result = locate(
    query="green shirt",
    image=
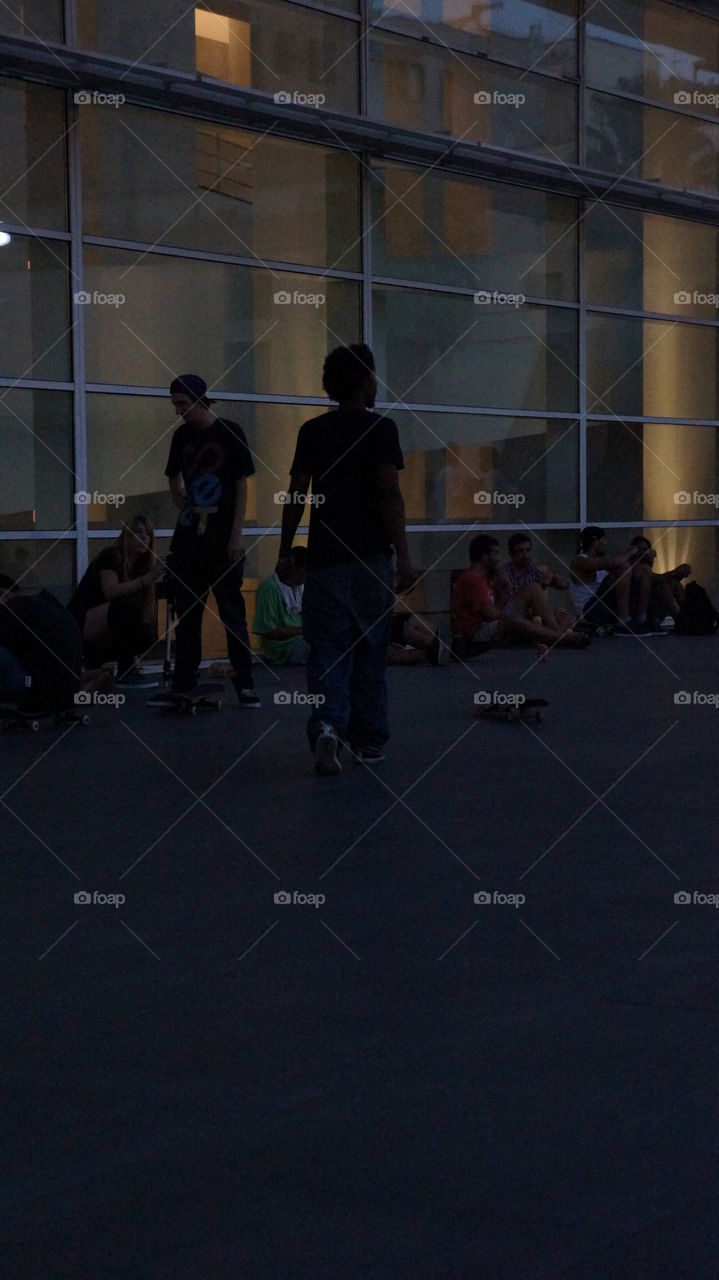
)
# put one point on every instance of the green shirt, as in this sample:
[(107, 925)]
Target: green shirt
[(271, 611)]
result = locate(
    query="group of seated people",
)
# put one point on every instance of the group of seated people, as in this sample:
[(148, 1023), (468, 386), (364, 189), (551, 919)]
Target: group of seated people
[(509, 604)]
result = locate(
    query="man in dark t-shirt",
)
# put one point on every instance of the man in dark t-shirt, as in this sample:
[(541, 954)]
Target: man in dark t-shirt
[(351, 458), (207, 468)]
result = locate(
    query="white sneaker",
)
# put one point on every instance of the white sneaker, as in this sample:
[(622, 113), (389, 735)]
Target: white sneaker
[(326, 752)]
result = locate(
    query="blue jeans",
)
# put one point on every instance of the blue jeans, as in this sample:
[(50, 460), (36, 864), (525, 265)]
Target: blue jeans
[(346, 614), (12, 676)]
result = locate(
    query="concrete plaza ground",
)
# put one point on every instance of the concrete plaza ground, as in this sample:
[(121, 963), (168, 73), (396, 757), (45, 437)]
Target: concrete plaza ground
[(396, 1082)]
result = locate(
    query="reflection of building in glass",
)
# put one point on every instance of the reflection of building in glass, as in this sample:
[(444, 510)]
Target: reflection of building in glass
[(542, 302)]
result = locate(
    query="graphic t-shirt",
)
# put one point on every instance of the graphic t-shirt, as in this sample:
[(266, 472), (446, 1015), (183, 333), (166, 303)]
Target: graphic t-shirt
[(471, 596), (211, 459), (272, 610), (88, 592), (341, 451)]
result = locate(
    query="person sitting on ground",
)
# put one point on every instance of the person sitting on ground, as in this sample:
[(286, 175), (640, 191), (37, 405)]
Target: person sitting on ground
[(667, 591), (40, 650), (413, 639), (484, 612), (601, 585), (114, 604), (520, 571), (278, 612)]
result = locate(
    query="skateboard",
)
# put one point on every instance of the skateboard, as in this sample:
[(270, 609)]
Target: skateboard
[(203, 695), (531, 709), (12, 716)]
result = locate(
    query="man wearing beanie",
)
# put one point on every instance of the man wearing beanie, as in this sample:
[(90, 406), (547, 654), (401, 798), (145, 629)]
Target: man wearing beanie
[(207, 468)]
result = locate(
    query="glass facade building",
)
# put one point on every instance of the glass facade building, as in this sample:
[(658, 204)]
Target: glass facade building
[(516, 204)]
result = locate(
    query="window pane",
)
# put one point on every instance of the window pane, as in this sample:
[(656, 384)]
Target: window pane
[(650, 48), (465, 467), (36, 431), (635, 141), (265, 331), (219, 189), (525, 33), (42, 19), (652, 472), (421, 86), (643, 262), (434, 348), (37, 565), (261, 44), (34, 323), (651, 369), (430, 226), (32, 119)]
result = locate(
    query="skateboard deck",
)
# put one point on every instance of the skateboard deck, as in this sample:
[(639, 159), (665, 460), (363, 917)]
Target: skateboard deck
[(531, 709), (203, 695), (13, 716)]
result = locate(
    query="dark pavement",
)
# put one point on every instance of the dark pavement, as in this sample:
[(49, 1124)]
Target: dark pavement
[(396, 1082)]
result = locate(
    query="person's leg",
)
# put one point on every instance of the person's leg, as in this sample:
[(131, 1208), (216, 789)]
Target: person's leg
[(640, 592), (129, 635), (331, 633), (372, 606), (227, 589), (418, 633), (189, 587), (533, 601), (397, 656), (13, 676)]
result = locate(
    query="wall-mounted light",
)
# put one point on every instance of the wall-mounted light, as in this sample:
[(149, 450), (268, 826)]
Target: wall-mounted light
[(5, 238)]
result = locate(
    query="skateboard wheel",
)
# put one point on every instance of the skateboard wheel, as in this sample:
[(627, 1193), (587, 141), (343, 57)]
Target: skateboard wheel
[(193, 710), (218, 706), (85, 719), (34, 725)]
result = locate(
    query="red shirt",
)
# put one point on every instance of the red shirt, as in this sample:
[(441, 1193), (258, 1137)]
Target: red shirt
[(471, 596)]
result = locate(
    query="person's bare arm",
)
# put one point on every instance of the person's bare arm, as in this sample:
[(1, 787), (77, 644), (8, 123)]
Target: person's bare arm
[(113, 589), (391, 506), (178, 492), (293, 511)]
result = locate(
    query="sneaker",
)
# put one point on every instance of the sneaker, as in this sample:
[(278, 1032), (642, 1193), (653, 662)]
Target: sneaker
[(248, 698), (623, 629), (368, 755), (438, 652), (647, 628), (134, 681), (327, 752)]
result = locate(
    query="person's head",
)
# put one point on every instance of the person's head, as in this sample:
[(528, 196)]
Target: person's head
[(348, 376), (137, 541), (8, 587), (484, 551), (293, 573), (593, 539), (519, 547), (645, 548), (188, 394)]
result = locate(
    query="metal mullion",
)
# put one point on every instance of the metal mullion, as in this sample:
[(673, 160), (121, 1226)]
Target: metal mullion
[(228, 259), (582, 357), (462, 292), (76, 282)]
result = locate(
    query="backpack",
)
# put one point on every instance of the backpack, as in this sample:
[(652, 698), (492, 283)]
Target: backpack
[(45, 638), (697, 616)]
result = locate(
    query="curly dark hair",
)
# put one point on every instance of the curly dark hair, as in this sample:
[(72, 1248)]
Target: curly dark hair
[(345, 370)]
